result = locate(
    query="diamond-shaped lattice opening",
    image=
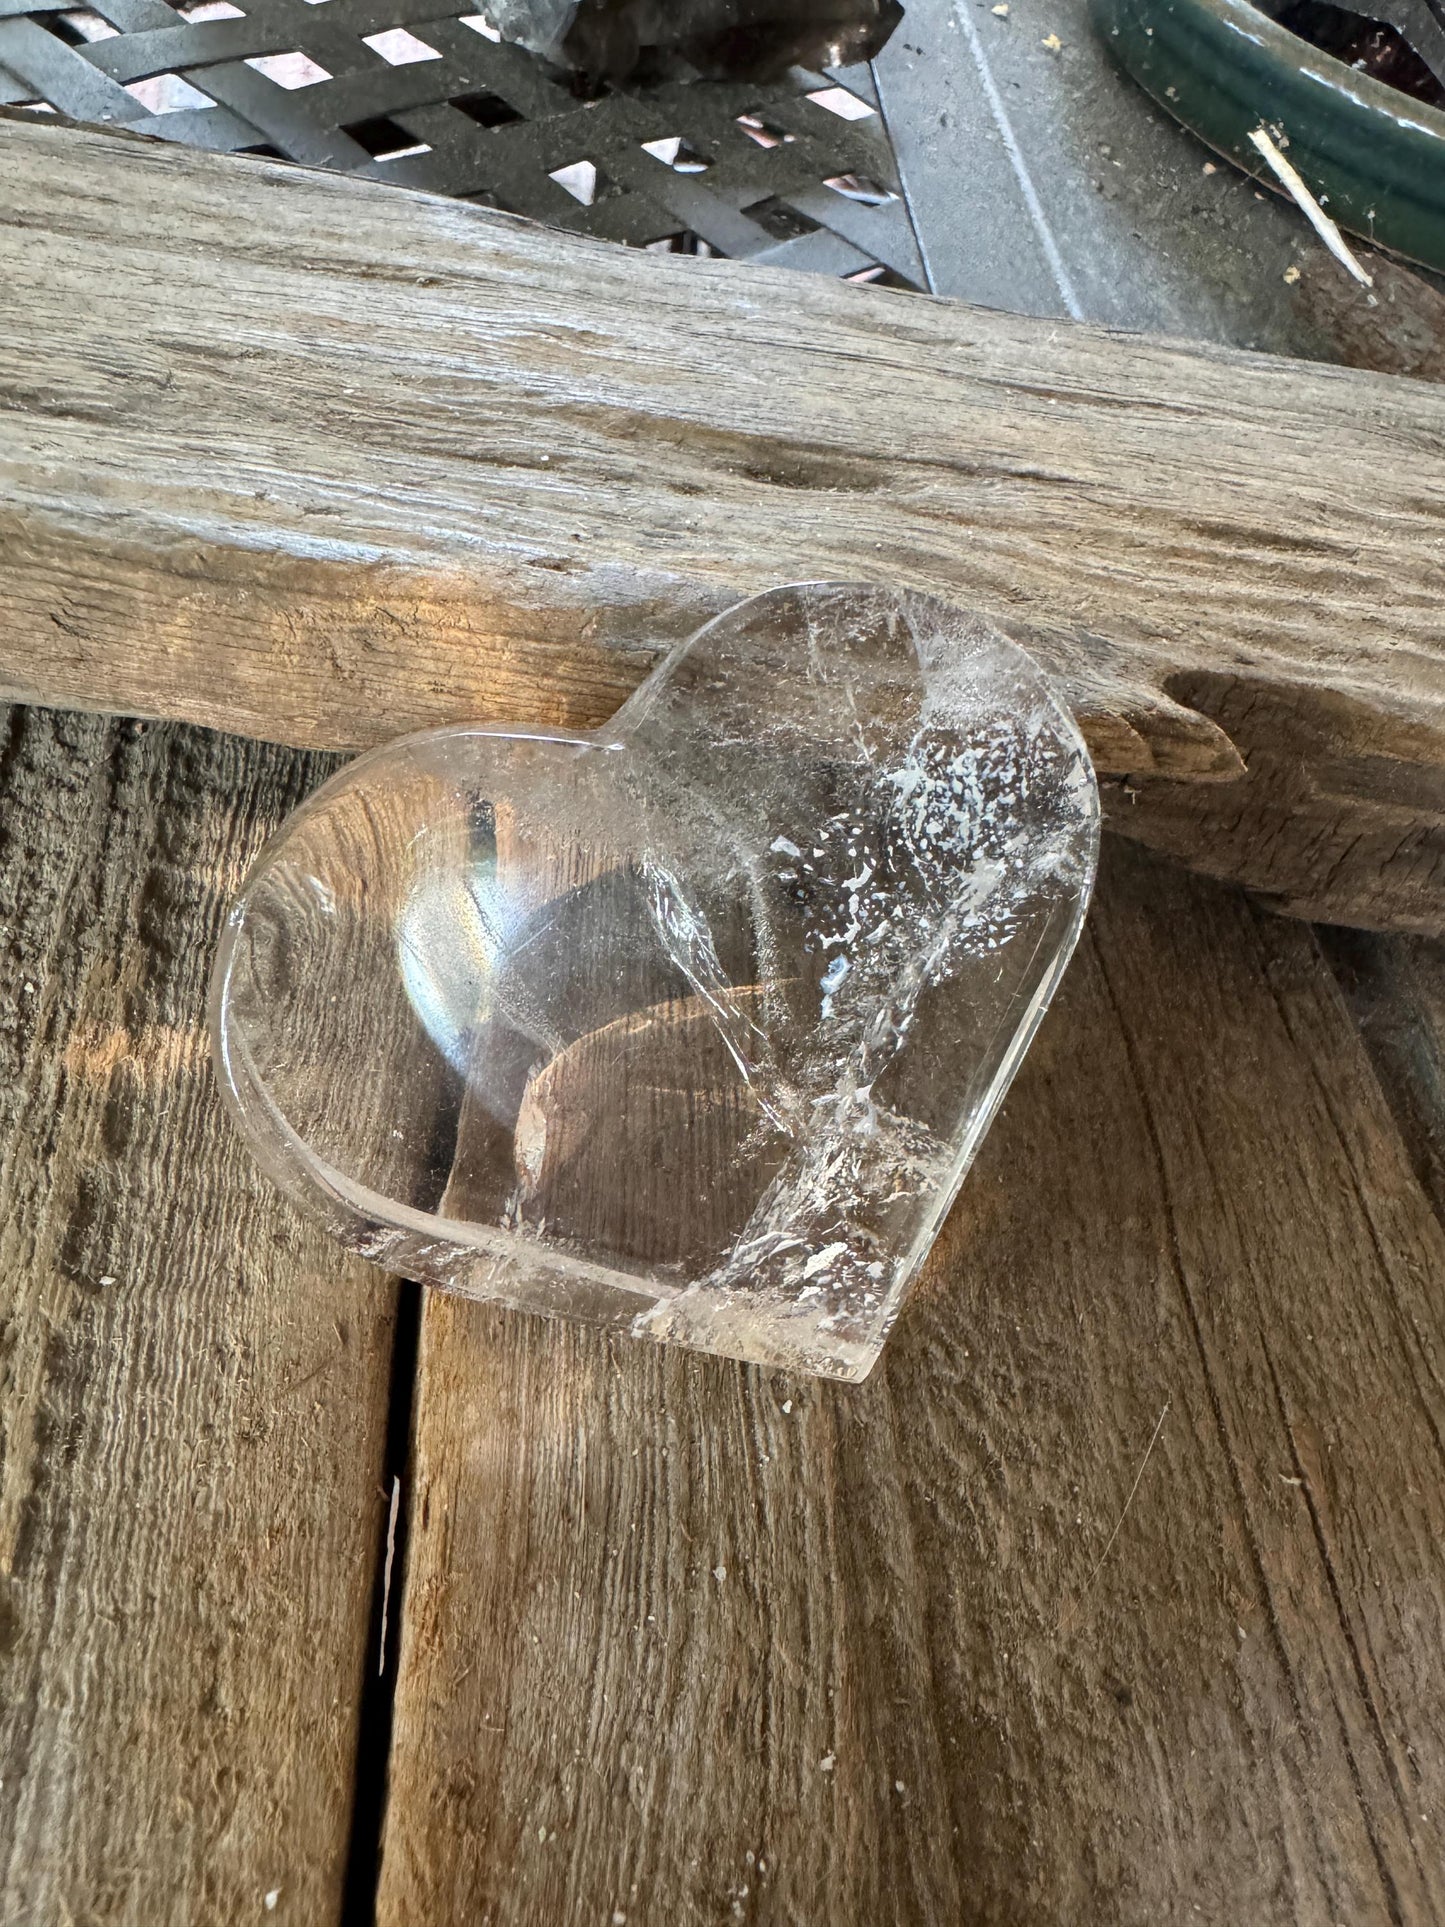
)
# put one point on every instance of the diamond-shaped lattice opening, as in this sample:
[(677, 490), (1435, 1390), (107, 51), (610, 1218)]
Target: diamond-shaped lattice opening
[(580, 179), (763, 131), (677, 154), (168, 94), (398, 48), (480, 24), (291, 71), (487, 110), (877, 276), (784, 223), (78, 26), (32, 107), (683, 242), (385, 139), (858, 187), (262, 151), (205, 10), (839, 101)]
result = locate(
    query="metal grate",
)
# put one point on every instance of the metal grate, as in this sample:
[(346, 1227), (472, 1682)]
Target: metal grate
[(800, 173)]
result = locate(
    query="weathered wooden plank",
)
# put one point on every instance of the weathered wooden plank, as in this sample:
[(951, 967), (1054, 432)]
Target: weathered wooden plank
[(193, 1385), (319, 460), (686, 1642), (1396, 988)]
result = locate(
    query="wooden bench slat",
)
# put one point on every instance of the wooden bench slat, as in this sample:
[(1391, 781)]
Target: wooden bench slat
[(684, 1638), (193, 1384)]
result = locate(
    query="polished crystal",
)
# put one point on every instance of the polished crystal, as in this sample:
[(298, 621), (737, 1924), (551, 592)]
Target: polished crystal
[(691, 1025)]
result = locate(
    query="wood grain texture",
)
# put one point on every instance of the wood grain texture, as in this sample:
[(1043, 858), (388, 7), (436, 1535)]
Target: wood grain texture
[(1396, 326), (687, 1642), (314, 459), (1396, 988), (193, 1386)]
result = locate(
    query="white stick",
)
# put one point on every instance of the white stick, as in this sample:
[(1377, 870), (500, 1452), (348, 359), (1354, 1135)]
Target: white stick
[(386, 1570), (1309, 206)]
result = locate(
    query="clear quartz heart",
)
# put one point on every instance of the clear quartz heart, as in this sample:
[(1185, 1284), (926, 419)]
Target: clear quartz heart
[(691, 1025)]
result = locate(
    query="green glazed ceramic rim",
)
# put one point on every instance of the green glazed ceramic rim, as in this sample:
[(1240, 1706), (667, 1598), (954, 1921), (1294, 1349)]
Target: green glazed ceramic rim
[(1373, 156)]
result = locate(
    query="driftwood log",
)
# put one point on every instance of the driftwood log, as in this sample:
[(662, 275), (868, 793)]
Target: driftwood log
[(318, 460)]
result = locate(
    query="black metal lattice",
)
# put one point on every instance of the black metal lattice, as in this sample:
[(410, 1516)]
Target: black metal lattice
[(800, 173)]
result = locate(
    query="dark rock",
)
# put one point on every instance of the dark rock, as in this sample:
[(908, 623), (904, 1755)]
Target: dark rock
[(652, 40)]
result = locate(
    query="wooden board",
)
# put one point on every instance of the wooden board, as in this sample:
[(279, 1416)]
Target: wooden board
[(417, 461), (1396, 988), (193, 1384), (1117, 1594)]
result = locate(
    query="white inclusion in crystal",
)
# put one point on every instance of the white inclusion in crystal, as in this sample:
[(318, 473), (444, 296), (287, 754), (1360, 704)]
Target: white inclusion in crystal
[(964, 891), (832, 978)]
